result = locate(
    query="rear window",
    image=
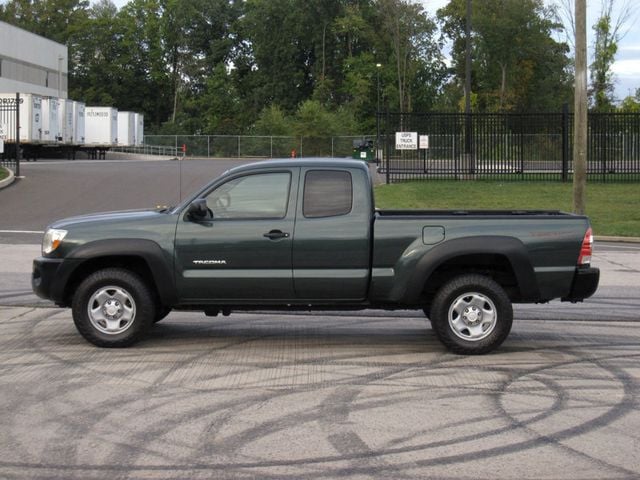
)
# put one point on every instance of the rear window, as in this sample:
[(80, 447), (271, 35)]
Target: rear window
[(327, 193)]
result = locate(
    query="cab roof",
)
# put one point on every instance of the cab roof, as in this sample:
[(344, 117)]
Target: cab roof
[(302, 162)]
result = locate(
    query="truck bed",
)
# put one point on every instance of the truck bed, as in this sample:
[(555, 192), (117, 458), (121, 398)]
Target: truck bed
[(474, 213)]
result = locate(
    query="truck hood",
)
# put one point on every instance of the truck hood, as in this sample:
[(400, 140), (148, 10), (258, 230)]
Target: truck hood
[(123, 216)]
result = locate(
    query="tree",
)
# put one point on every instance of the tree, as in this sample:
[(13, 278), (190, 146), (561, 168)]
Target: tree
[(272, 121), (609, 30), (630, 104), (608, 33), (517, 64), (411, 35)]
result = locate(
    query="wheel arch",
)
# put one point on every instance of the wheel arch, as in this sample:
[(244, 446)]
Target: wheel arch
[(143, 257), (505, 259)]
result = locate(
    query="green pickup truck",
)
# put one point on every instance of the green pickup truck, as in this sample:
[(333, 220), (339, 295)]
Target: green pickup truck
[(305, 234)]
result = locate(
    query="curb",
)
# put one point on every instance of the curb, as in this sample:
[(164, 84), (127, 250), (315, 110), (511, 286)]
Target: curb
[(9, 180), (604, 238)]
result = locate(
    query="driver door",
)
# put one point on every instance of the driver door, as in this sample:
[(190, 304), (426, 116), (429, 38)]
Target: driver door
[(244, 250)]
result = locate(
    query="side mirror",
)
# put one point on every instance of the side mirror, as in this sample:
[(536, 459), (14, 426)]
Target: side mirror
[(198, 210)]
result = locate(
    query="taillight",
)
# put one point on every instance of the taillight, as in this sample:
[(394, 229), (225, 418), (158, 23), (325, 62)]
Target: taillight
[(587, 249)]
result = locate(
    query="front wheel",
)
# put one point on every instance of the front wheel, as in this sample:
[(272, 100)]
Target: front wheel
[(471, 314), (113, 308)]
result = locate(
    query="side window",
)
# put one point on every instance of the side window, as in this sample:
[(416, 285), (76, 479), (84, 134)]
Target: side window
[(327, 193), (254, 196)]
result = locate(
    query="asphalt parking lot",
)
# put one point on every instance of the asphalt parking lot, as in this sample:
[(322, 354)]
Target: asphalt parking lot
[(277, 395)]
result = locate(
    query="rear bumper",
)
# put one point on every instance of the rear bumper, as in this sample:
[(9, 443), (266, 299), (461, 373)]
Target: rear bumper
[(585, 284), (44, 276)]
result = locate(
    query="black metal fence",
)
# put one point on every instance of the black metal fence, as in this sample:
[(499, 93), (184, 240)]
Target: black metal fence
[(525, 146), (9, 137)]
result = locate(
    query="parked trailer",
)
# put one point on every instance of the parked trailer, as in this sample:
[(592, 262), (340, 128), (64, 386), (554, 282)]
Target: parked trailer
[(65, 120), (31, 138), (139, 127), (126, 129), (51, 131), (78, 122), (30, 117), (100, 130)]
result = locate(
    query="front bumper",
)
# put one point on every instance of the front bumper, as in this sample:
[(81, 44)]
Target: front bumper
[(43, 278), (585, 284)]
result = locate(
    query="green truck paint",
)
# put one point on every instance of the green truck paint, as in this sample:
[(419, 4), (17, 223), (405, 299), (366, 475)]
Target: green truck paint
[(305, 234)]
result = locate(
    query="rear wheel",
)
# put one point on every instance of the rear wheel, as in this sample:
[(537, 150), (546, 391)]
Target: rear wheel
[(113, 308), (471, 314)]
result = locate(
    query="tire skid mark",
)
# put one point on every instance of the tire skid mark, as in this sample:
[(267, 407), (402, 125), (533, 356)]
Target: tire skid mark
[(615, 412), (384, 374)]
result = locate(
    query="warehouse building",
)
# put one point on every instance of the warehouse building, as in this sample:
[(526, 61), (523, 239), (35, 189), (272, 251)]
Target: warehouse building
[(30, 63)]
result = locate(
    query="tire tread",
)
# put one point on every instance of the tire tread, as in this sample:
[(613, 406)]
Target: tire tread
[(145, 307), (440, 311)]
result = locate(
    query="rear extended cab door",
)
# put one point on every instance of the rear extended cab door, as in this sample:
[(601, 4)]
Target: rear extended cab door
[(333, 234)]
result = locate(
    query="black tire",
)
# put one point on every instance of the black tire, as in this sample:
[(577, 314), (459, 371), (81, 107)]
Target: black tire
[(122, 304), (471, 314), (161, 313)]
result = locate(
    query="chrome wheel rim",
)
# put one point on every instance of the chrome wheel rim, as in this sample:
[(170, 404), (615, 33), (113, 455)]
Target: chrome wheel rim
[(472, 316), (111, 310)]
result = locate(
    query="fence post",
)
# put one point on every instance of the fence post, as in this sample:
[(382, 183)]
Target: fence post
[(17, 135), (271, 146), (387, 151), (565, 142), (208, 146), (468, 145), (300, 148)]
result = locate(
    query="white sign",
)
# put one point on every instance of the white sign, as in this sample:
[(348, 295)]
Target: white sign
[(1, 146), (3, 131), (424, 142), (406, 140)]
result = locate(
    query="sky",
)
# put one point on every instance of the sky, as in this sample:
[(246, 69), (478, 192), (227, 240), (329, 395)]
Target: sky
[(627, 66)]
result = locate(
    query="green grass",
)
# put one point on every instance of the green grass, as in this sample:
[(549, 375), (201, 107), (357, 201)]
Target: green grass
[(614, 208), (3, 173)]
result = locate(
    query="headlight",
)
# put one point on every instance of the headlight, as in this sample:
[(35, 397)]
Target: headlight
[(52, 240)]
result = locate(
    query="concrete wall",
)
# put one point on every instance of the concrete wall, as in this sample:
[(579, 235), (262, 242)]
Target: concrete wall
[(30, 63)]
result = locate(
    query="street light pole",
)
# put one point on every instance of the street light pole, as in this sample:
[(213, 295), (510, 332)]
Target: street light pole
[(60, 58), (378, 66)]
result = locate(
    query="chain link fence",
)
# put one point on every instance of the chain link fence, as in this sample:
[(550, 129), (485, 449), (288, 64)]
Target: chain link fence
[(254, 146)]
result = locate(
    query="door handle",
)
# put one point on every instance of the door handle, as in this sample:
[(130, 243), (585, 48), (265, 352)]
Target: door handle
[(275, 235)]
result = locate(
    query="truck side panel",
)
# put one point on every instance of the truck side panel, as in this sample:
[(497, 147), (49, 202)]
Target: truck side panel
[(542, 251)]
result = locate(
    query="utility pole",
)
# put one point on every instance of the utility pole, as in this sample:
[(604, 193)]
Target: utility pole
[(580, 110), (467, 61), (467, 94), (378, 66)]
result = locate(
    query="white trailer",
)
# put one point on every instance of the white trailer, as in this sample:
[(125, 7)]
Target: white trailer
[(30, 117), (139, 124), (126, 129), (78, 122), (51, 131), (101, 126), (65, 120)]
